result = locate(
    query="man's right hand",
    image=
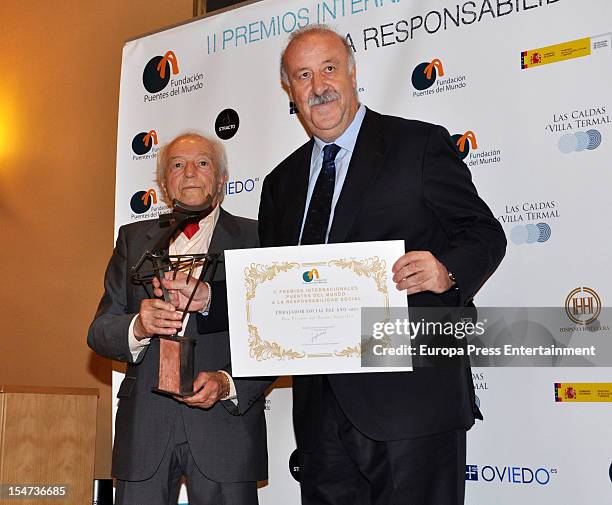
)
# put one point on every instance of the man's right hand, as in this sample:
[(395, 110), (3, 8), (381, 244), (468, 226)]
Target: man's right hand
[(156, 317)]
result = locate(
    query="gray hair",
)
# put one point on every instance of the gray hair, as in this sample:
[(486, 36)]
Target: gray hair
[(219, 162), (307, 30)]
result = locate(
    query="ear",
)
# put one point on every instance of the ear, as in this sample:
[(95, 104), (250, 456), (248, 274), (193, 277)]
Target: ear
[(354, 77)]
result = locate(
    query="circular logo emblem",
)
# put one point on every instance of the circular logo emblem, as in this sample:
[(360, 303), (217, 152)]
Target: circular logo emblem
[(610, 472), (530, 233), (143, 142), (156, 73), (151, 79), (464, 142), (141, 201), (294, 465), (227, 123), (579, 141), (423, 76), (583, 306)]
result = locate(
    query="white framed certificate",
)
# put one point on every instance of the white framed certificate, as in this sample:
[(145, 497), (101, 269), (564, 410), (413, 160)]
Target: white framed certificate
[(298, 310)]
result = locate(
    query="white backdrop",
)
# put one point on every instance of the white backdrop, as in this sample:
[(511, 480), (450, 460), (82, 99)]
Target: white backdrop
[(539, 153)]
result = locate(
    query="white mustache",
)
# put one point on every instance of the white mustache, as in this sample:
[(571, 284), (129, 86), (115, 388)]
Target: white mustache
[(325, 97)]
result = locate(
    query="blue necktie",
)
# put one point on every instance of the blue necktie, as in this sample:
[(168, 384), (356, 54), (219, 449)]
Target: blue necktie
[(317, 218)]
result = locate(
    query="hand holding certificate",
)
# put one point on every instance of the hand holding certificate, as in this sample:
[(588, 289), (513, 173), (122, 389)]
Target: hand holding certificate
[(298, 310)]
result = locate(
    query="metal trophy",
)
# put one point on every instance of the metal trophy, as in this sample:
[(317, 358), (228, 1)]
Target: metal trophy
[(176, 358)]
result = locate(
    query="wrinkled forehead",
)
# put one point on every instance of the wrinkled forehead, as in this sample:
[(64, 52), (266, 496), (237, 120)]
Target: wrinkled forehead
[(321, 46), (190, 146)]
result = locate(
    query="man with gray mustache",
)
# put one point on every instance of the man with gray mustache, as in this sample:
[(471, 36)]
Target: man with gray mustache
[(379, 438)]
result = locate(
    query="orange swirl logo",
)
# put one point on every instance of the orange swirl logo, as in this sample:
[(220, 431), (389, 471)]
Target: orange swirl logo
[(157, 71), (142, 200), (425, 74), (143, 142), (309, 275), (465, 142)]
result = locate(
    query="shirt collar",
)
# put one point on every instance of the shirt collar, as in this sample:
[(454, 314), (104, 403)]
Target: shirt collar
[(347, 140)]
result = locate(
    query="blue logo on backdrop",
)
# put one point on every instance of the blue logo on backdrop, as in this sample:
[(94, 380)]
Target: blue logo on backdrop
[(510, 474), (530, 233), (471, 472), (580, 141), (240, 186)]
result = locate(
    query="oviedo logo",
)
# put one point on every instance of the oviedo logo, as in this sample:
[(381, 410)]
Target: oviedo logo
[(310, 275), (227, 123), (156, 74), (239, 186), (465, 142), (425, 74), (583, 306), (142, 200), (530, 233), (580, 141), (143, 142), (510, 474)]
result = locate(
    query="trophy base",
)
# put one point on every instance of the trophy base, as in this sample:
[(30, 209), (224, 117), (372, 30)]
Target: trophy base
[(176, 366), (171, 394)]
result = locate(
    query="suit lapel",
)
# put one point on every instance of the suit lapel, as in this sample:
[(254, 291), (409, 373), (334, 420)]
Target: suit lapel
[(224, 234), (366, 163), (294, 212)]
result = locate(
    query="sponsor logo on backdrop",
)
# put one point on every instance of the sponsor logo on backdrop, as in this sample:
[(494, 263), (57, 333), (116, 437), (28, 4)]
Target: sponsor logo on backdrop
[(582, 129), (156, 74), (583, 305), (530, 233), (144, 205), (239, 186), (583, 392), (430, 77), (610, 472), (583, 308), (564, 51), (465, 142), (579, 119), (468, 149), (162, 71), (293, 108), (580, 141), (556, 53), (532, 221), (226, 124), (294, 465), (512, 475), (143, 145)]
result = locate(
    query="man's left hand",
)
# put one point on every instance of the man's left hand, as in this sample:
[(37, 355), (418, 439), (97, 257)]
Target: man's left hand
[(210, 387), (418, 271), (180, 290)]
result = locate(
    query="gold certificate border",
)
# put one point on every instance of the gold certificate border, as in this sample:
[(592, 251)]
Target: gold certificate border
[(256, 274)]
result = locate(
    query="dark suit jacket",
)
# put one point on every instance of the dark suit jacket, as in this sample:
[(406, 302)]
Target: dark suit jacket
[(228, 443), (405, 181)]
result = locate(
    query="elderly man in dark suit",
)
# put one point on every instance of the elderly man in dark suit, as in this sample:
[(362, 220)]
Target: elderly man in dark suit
[(379, 438), (216, 439)]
